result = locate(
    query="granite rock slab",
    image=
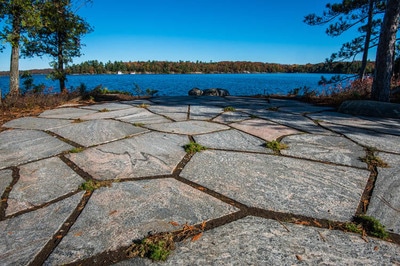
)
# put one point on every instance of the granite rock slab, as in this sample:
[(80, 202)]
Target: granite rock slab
[(188, 127), (113, 114), (386, 126), (305, 109), (257, 241), (21, 146), (36, 123), (67, 113), (295, 121), (334, 149), (150, 154), (385, 201), (144, 117), (111, 106), (198, 112), (230, 117), (117, 215), (94, 132), (368, 138), (264, 129), (5, 180), (280, 184), (41, 182), (370, 108), (23, 237), (175, 113), (232, 140)]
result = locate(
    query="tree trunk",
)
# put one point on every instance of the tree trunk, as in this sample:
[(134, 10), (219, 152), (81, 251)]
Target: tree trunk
[(367, 39), (14, 61), (385, 53)]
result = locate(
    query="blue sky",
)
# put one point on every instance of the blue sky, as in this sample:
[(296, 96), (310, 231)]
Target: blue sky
[(204, 30)]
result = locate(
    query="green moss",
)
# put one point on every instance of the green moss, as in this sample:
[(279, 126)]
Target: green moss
[(229, 109), (374, 160), (157, 247), (193, 147), (76, 150), (276, 146), (372, 226), (90, 185), (352, 227)]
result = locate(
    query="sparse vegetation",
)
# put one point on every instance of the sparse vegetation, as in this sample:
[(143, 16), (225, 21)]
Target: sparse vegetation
[(92, 185), (78, 120), (371, 226), (143, 105), (229, 109), (104, 110), (138, 124), (193, 147), (76, 150), (157, 247), (373, 160), (276, 146)]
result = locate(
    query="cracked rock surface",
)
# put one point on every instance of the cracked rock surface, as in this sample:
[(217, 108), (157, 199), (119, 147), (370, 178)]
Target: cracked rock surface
[(80, 184)]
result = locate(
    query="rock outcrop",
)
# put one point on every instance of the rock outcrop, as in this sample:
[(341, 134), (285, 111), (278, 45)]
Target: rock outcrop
[(209, 92)]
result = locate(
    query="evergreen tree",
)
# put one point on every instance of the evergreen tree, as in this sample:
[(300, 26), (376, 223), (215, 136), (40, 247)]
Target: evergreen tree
[(386, 52), (343, 16), (21, 17), (60, 37)]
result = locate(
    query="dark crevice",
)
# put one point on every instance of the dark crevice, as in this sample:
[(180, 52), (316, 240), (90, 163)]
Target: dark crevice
[(6, 194), (61, 233)]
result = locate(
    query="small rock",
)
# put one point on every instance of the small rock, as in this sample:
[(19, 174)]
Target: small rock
[(216, 92), (195, 92)]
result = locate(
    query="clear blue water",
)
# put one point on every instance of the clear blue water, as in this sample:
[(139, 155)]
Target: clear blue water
[(180, 84)]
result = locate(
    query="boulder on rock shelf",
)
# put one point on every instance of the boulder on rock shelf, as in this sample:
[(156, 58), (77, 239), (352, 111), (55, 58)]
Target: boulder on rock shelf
[(216, 92), (195, 92), (370, 108)]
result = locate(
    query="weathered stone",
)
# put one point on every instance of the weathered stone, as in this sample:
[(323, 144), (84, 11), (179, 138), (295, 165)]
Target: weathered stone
[(367, 138), (280, 184), (385, 201), (151, 154), (117, 215), (101, 114), (41, 182), (371, 108), (334, 149), (5, 180), (176, 113), (258, 241), (264, 129), (382, 125), (36, 123), (108, 106), (304, 109), (95, 132), (232, 140), (198, 112), (195, 92), (24, 236), (144, 117), (22, 146), (230, 117), (188, 127), (66, 113)]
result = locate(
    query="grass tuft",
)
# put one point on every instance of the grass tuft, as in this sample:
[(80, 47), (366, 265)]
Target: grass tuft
[(276, 146), (229, 109), (193, 147), (76, 150)]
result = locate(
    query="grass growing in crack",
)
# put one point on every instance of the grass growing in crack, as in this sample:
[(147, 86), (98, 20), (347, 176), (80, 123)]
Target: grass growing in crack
[(372, 226), (104, 110), (76, 150), (159, 246), (138, 124), (143, 105), (276, 146), (366, 224), (193, 147), (156, 247), (92, 185), (78, 120), (229, 109), (374, 160)]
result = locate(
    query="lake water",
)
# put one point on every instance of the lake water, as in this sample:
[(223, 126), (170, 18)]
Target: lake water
[(180, 84)]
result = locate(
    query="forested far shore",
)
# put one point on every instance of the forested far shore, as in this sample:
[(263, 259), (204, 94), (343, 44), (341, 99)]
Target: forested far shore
[(187, 67)]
